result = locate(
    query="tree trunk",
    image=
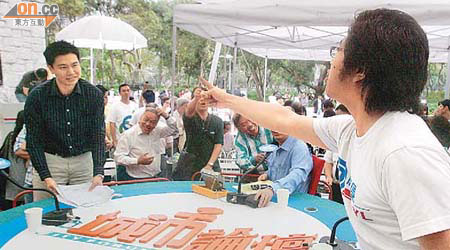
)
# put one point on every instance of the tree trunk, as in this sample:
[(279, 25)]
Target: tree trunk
[(112, 76)]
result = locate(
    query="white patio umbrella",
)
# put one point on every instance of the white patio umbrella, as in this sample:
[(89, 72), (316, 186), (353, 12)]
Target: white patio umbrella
[(102, 32)]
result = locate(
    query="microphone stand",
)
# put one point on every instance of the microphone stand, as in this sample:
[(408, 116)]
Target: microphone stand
[(54, 218), (332, 241), (249, 171), (245, 199)]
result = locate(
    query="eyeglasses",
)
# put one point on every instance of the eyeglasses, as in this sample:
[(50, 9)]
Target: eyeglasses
[(334, 50)]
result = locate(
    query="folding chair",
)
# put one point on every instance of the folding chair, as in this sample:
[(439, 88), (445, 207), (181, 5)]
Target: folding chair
[(316, 172)]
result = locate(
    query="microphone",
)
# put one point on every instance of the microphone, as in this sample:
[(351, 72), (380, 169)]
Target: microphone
[(53, 218), (333, 242), (246, 199)]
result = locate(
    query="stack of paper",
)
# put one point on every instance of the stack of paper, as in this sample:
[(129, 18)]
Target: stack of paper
[(80, 196)]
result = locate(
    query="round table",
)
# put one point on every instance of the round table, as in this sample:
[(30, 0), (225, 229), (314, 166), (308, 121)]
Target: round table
[(326, 212)]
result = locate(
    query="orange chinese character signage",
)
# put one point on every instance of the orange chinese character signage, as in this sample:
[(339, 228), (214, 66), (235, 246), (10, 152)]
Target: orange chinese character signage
[(187, 225)]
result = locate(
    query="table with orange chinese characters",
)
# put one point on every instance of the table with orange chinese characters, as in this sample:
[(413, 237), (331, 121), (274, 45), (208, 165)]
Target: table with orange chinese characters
[(161, 215)]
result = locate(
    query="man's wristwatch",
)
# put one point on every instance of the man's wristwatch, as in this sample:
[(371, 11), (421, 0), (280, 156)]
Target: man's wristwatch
[(210, 164), (101, 176)]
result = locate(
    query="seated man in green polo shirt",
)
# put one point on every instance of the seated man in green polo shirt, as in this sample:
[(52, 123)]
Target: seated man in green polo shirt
[(204, 139), (29, 80)]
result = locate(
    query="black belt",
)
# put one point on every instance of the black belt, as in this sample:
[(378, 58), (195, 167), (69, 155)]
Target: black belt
[(61, 155)]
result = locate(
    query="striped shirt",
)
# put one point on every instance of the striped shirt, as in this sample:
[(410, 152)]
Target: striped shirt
[(20, 139), (248, 147), (66, 126)]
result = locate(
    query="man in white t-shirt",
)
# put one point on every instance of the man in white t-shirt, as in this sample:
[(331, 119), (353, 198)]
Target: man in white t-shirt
[(120, 114), (394, 174)]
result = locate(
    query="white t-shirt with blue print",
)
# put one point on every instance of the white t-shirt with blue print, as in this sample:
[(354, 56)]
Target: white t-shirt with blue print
[(394, 180)]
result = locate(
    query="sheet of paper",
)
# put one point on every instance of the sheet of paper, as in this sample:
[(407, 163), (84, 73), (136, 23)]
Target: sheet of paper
[(79, 196), (254, 187)]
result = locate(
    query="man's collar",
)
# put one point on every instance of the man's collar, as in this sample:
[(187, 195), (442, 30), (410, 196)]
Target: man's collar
[(54, 91), (200, 117), (288, 143)]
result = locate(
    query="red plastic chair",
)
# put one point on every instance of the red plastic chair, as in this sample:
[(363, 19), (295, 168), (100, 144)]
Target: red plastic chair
[(316, 172), (196, 175), (18, 196)]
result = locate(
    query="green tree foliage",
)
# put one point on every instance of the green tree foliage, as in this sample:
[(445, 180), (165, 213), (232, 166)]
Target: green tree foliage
[(194, 54)]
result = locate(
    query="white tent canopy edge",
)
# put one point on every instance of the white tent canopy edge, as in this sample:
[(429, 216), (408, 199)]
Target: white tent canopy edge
[(302, 30)]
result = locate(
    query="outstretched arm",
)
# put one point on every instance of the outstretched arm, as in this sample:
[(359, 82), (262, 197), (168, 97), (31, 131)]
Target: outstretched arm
[(271, 116)]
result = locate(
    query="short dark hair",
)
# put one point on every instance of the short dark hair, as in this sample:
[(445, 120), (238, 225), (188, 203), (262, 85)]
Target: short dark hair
[(288, 103), (149, 96), (123, 85), (101, 88), (391, 49), (328, 104), (342, 108), (328, 113), (298, 108), (59, 48), (445, 103), (41, 73)]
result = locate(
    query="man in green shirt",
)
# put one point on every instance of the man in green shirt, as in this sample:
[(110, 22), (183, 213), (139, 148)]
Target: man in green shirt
[(29, 80), (204, 140)]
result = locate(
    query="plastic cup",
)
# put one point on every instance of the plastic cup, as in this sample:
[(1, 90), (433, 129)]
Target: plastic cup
[(33, 217), (321, 246), (283, 197)]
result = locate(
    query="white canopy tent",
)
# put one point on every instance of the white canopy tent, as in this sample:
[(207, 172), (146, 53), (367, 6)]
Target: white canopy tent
[(303, 30), (102, 32)]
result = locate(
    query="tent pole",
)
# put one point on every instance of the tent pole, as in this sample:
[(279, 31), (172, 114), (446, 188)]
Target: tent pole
[(225, 73), (172, 99), (447, 85), (265, 79), (235, 69), (230, 84), (215, 61), (92, 65), (174, 54)]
